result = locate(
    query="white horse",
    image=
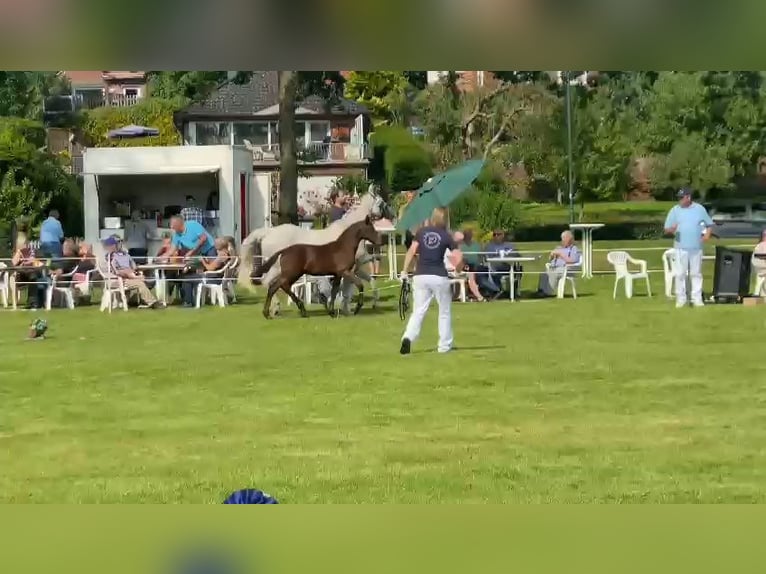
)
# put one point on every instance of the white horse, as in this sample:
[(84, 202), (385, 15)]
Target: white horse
[(266, 241)]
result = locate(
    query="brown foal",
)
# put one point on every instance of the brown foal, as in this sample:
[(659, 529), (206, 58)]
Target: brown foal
[(337, 259)]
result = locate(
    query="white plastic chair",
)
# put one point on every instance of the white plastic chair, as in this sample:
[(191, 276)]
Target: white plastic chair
[(114, 294), (668, 268), (567, 277), (66, 290), (455, 278), (217, 294), (620, 261), (5, 284)]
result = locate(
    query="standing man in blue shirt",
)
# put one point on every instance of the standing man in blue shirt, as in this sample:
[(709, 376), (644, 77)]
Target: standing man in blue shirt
[(51, 235), (685, 222), (190, 239)]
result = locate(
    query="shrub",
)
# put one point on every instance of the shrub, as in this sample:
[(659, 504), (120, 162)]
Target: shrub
[(399, 161), (152, 112), (407, 168)]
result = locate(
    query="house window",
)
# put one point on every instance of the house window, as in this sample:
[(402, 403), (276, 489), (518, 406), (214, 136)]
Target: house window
[(300, 134), (212, 133), (257, 133), (319, 131)]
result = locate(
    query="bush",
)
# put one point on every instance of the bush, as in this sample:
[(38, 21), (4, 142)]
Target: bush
[(407, 168), (399, 161), (29, 130), (152, 113)]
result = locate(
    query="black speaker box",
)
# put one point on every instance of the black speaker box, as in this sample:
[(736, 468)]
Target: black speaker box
[(731, 281)]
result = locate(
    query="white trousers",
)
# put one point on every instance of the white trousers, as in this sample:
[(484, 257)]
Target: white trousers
[(424, 289), (688, 263)]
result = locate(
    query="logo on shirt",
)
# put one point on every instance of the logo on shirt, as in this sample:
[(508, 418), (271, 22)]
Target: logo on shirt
[(432, 239)]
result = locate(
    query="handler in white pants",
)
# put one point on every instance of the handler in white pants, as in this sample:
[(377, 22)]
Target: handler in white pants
[(684, 222), (431, 280)]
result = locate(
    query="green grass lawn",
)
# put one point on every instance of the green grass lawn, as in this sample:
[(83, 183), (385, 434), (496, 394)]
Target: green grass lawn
[(592, 400)]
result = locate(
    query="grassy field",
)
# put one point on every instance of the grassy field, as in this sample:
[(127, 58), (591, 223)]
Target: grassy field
[(592, 400)]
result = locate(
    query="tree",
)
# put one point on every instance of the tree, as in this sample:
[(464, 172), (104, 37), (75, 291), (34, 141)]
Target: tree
[(32, 179), (379, 91), (22, 93), (189, 85), (293, 87)]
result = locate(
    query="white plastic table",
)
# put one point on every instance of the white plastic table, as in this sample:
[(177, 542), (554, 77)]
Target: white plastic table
[(587, 245), (511, 260), (159, 269)]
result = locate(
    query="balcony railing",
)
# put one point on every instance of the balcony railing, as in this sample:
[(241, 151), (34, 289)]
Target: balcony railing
[(315, 152), (88, 101)]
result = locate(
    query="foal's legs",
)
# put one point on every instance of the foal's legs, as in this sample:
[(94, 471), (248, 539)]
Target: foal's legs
[(333, 295), (273, 288), (350, 276), (286, 287)]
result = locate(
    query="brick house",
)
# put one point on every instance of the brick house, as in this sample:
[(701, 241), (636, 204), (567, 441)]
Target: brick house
[(93, 89)]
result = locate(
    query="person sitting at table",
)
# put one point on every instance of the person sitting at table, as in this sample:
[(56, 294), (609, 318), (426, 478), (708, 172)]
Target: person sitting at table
[(463, 239), (478, 273), (32, 276), (498, 246), (68, 262), (192, 280), (567, 254), (123, 266), (85, 263)]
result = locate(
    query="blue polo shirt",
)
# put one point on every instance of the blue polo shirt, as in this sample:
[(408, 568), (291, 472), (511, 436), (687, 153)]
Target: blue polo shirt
[(189, 238), (691, 221), (51, 231)]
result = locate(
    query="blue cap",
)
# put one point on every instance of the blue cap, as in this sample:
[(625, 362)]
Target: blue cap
[(110, 242), (683, 192), (250, 496)]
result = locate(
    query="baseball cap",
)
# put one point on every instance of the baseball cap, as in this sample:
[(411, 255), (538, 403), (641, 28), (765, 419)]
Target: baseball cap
[(683, 192), (110, 242)]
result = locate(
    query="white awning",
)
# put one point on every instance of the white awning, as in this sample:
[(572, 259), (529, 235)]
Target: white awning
[(167, 170)]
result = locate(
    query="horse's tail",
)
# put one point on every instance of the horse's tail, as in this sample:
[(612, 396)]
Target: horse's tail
[(269, 263), (251, 250)]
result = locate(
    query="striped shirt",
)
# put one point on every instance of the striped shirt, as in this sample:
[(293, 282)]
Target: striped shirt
[(193, 214)]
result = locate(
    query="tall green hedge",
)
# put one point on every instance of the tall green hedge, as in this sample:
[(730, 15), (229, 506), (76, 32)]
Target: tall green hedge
[(151, 112), (399, 161)]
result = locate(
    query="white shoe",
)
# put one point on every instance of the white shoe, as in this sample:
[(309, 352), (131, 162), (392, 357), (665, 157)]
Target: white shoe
[(680, 305), (698, 304)]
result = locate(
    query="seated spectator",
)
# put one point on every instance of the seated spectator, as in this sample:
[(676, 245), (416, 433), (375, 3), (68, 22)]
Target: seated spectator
[(193, 279), (32, 277), (165, 249), (498, 246), (567, 254), (85, 263), (470, 262), (68, 262), (122, 265)]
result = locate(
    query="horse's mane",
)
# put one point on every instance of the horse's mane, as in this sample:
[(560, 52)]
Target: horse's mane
[(356, 213)]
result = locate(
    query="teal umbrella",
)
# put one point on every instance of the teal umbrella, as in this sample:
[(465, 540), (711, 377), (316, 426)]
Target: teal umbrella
[(439, 191)]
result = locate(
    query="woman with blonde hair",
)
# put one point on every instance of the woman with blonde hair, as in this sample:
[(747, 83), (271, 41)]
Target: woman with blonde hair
[(431, 280)]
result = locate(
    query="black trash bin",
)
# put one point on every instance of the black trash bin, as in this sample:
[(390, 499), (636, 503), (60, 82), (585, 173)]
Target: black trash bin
[(731, 281)]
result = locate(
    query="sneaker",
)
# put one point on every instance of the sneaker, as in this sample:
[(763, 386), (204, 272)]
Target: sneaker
[(157, 305), (405, 348), (680, 305), (698, 304)]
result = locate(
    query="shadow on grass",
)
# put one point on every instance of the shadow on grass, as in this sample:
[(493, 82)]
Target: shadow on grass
[(461, 349)]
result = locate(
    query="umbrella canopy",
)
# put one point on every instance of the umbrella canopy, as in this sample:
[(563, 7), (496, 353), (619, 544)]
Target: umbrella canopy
[(133, 132), (439, 191)]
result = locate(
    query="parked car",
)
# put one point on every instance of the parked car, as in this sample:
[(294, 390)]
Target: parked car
[(737, 218)]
